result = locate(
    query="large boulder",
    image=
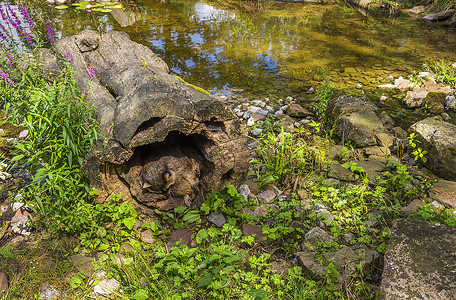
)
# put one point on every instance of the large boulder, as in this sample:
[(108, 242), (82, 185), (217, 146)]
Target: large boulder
[(438, 138), (419, 262), (166, 142), (356, 120)]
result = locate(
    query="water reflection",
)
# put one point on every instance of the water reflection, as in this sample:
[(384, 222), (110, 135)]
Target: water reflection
[(281, 51)]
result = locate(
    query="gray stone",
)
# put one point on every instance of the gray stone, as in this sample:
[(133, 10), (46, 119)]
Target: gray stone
[(147, 236), (325, 218), (419, 262), (348, 238), (435, 102), (332, 182), (440, 16), (314, 238), (373, 219), (438, 138), (266, 196), (375, 150), (48, 292), (83, 264), (257, 117), (256, 131), (444, 192), (417, 9), (384, 139), (217, 218), (310, 266), (105, 286), (248, 230), (402, 84), (4, 176), (372, 168), (286, 121), (333, 152), (356, 120), (437, 205), (244, 190), (386, 119), (415, 98), (297, 111), (446, 117), (399, 133), (23, 134), (338, 172), (318, 207), (411, 208), (19, 225), (181, 236), (4, 285), (450, 102), (280, 267)]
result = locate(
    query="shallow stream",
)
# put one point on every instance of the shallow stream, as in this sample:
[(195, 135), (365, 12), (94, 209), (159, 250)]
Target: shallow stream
[(278, 52), (281, 51)]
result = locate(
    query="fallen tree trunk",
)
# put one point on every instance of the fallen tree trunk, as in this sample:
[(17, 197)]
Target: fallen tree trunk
[(167, 143)]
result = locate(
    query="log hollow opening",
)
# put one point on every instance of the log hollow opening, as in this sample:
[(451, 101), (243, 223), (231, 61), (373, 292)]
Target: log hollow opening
[(174, 170)]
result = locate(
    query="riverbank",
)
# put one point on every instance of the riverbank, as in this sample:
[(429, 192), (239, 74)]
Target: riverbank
[(313, 202)]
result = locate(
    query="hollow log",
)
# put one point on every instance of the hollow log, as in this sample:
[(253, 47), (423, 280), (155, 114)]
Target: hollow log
[(166, 142)]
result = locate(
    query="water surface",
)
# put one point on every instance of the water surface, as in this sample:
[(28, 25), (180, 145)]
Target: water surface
[(279, 52)]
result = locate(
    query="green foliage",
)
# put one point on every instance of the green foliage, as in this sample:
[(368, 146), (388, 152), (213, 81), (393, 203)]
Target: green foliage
[(324, 94), (121, 218), (229, 202), (357, 172), (435, 215), (443, 71), (216, 269), (418, 153), (280, 157)]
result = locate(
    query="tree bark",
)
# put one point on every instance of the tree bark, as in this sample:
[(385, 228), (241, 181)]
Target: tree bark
[(166, 142)]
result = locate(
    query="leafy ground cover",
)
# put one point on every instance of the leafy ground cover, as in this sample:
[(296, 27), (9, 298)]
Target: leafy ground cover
[(218, 263)]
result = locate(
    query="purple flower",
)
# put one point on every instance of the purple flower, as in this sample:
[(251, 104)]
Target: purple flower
[(50, 33), (8, 56), (16, 23), (85, 92), (3, 32), (4, 16), (26, 15), (91, 73), (69, 57), (6, 78)]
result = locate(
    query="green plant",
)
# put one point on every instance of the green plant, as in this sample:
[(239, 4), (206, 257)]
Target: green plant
[(442, 216), (418, 153), (415, 80), (344, 154), (443, 70), (229, 202), (324, 94), (357, 172), (215, 269), (280, 157)]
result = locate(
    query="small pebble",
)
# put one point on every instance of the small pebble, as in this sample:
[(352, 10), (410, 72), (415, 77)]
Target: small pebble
[(250, 122), (256, 131)]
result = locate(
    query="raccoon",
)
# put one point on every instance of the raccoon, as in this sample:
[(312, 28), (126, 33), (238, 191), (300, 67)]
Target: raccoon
[(172, 171)]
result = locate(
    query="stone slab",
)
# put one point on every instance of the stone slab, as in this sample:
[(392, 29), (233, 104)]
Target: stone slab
[(420, 262)]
